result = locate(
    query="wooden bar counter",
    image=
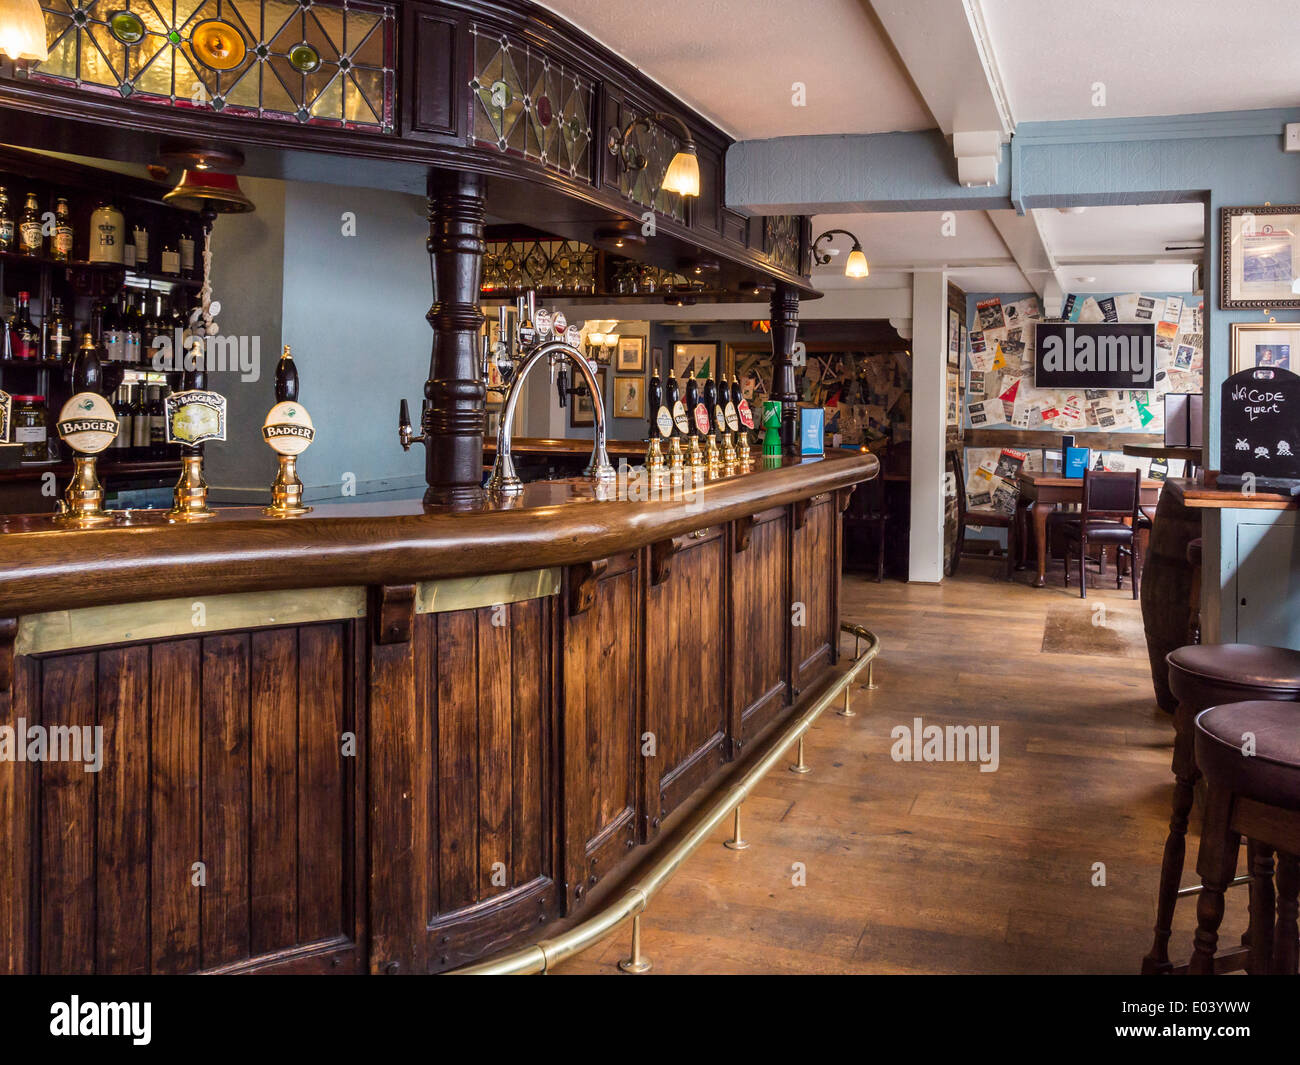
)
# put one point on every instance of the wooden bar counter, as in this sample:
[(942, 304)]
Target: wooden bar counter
[(387, 738)]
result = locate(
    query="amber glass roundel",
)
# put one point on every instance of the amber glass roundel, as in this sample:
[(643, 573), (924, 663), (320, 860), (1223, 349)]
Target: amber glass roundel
[(304, 58), (218, 45), (126, 26)]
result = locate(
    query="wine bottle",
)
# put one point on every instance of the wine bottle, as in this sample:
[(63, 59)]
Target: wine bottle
[(30, 238), (157, 422), (171, 258), (113, 336), (133, 322), (139, 424), (122, 411), (7, 229), (58, 333), (61, 245), (25, 339), (186, 242)]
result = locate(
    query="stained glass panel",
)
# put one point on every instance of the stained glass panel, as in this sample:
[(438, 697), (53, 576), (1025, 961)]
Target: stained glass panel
[(527, 104), (240, 61)]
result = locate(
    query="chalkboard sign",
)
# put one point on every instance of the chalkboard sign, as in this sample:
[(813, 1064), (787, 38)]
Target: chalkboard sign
[(1261, 425)]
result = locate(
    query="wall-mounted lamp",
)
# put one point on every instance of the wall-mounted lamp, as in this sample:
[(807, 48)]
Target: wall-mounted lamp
[(854, 266), (22, 30), (601, 341), (683, 173)]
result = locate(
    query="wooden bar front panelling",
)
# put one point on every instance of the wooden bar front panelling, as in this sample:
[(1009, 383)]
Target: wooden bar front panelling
[(760, 598), (497, 766), (814, 579), (217, 832)]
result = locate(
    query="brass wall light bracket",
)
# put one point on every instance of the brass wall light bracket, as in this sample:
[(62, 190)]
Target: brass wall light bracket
[(683, 173), (856, 264)]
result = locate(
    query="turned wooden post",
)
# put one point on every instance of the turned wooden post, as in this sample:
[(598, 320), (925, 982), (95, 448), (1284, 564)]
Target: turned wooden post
[(785, 324), (454, 418)]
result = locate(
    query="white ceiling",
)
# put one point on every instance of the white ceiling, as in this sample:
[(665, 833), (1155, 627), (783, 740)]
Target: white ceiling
[(734, 61), (1154, 57), (1121, 248)]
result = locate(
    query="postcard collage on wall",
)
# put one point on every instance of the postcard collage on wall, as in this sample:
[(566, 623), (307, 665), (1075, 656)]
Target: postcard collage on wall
[(999, 379)]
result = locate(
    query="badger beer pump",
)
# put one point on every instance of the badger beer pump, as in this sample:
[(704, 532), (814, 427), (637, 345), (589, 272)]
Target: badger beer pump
[(714, 453), (87, 425), (730, 422), (745, 417), (698, 427), (289, 432), (661, 426), (680, 425), (194, 416)]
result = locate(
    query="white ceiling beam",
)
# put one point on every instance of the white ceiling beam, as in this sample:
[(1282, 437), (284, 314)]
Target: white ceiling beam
[(946, 50), (1024, 240)]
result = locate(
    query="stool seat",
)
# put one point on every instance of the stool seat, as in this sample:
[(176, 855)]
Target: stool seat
[(1214, 668), (1099, 532), (1272, 773)]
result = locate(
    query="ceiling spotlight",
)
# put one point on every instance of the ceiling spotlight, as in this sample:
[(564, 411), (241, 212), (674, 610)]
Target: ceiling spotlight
[(1071, 210), (1088, 280), (855, 265)]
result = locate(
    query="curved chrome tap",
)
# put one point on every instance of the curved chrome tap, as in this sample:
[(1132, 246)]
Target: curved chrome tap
[(504, 479)]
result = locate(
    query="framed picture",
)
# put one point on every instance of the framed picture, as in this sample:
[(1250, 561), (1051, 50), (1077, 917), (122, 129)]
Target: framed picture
[(954, 338), (582, 414), (629, 397), (631, 355), (1266, 344), (1259, 257), (695, 359)]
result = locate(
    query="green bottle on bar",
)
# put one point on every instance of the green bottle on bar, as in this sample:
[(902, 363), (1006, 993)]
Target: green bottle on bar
[(772, 427)]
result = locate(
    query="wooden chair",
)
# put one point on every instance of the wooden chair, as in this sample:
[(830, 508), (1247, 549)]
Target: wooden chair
[(991, 518), (1108, 517)]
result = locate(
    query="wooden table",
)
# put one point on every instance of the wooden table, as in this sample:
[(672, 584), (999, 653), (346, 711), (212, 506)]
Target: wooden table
[(1040, 492)]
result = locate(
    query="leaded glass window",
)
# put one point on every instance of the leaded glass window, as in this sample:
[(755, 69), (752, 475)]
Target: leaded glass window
[(781, 234), (530, 105), (656, 145), (319, 62)]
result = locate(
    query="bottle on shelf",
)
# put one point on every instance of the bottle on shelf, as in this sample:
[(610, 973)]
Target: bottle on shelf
[(171, 257), (58, 333), (157, 422), (140, 240), (31, 241), (186, 242), (134, 321), (61, 245), (150, 326), (24, 339), (7, 227), (122, 410), (112, 334), (139, 424)]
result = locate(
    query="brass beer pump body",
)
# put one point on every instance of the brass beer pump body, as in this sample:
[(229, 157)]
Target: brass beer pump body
[(289, 431), (88, 425)]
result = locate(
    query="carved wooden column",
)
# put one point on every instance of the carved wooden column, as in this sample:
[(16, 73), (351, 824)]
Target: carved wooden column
[(454, 417), (785, 324)]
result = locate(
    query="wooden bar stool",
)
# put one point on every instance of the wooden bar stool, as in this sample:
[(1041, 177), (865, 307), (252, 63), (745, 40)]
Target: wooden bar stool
[(1250, 755), (1202, 676)]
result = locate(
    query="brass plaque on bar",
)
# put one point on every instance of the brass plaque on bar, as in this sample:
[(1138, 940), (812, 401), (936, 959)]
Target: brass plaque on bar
[(473, 593), (96, 626)]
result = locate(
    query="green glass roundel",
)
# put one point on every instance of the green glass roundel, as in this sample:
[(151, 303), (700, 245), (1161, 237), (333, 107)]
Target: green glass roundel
[(126, 26), (174, 37), (303, 57)]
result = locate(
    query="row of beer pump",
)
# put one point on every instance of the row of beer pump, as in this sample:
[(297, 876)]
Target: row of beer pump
[(195, 415)]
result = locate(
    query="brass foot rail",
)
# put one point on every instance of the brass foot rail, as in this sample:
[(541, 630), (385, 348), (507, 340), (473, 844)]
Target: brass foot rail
[(543, 956)]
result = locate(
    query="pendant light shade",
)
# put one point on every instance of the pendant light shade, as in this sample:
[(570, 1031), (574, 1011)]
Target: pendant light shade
[(683, 174), (205, 190), (22, 30), (855, 266)]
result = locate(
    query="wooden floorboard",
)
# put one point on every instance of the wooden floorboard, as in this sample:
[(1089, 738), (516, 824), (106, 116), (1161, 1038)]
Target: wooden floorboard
[(937, 867)]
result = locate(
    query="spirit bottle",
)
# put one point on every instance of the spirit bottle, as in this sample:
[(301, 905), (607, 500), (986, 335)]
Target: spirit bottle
[(58, 333)]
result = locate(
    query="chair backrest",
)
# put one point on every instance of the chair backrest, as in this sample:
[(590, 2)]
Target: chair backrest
[(1111, 494), (868, 501), (954, 458)]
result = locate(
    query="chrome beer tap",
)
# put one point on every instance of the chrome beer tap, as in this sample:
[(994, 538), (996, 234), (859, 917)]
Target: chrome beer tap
[(559, 352)]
